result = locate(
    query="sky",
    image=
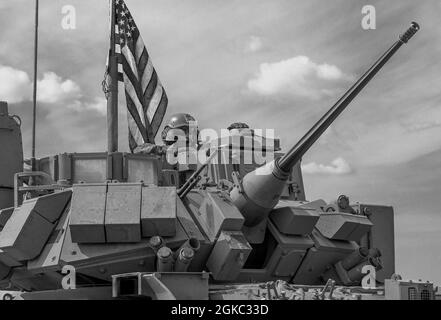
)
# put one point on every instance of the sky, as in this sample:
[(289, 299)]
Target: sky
[(276, 64)]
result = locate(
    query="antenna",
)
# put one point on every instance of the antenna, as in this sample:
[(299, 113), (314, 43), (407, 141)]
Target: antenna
[(34, 110)]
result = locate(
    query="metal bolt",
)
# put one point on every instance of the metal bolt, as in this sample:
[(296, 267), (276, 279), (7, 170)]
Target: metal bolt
[(164, 252), (187, 253), (155, 241)]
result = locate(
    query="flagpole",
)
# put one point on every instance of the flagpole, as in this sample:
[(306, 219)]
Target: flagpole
[(34, 109), (112, 100)]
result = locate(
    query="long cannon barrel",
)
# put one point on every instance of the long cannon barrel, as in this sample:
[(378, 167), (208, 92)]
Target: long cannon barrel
[(260, 190)]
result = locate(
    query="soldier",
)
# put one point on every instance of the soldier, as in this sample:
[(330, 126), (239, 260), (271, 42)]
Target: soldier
[(179, 123)]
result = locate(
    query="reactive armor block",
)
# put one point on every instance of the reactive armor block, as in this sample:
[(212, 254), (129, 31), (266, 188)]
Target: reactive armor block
[(294, 220), (343, 226), (25, 233), (123, 213), (29, 226), (228, 256), (87, 213), (158, 211), (217, 213)]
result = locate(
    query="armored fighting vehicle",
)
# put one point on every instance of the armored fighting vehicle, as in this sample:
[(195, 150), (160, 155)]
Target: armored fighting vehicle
[(120, 225)]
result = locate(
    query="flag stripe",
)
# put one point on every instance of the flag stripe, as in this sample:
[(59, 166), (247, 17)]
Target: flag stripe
[(132, 80), (132, 142), (151, 87), (142, 63), (130, 59), (139, 49), (134, 130), (147, 75), (160, 112), (131, 92), (154, 102), (135, 116)]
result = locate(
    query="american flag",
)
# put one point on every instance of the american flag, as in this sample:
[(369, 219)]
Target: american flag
[(145, 97)]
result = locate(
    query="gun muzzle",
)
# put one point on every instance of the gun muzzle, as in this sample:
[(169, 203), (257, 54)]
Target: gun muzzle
[(414, 27)]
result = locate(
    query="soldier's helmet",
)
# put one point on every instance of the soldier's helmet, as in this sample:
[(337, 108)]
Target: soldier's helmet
[(240, 128), (179, 121), (238, 125)]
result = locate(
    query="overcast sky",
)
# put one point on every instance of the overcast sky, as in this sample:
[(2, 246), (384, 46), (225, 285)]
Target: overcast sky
[(272, 64)]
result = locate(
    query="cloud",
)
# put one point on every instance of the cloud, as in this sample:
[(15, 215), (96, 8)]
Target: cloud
[(298, 76), (99, 104), (52, 88), (419, 126), (254, 44), (15, 85), (338, 166)]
